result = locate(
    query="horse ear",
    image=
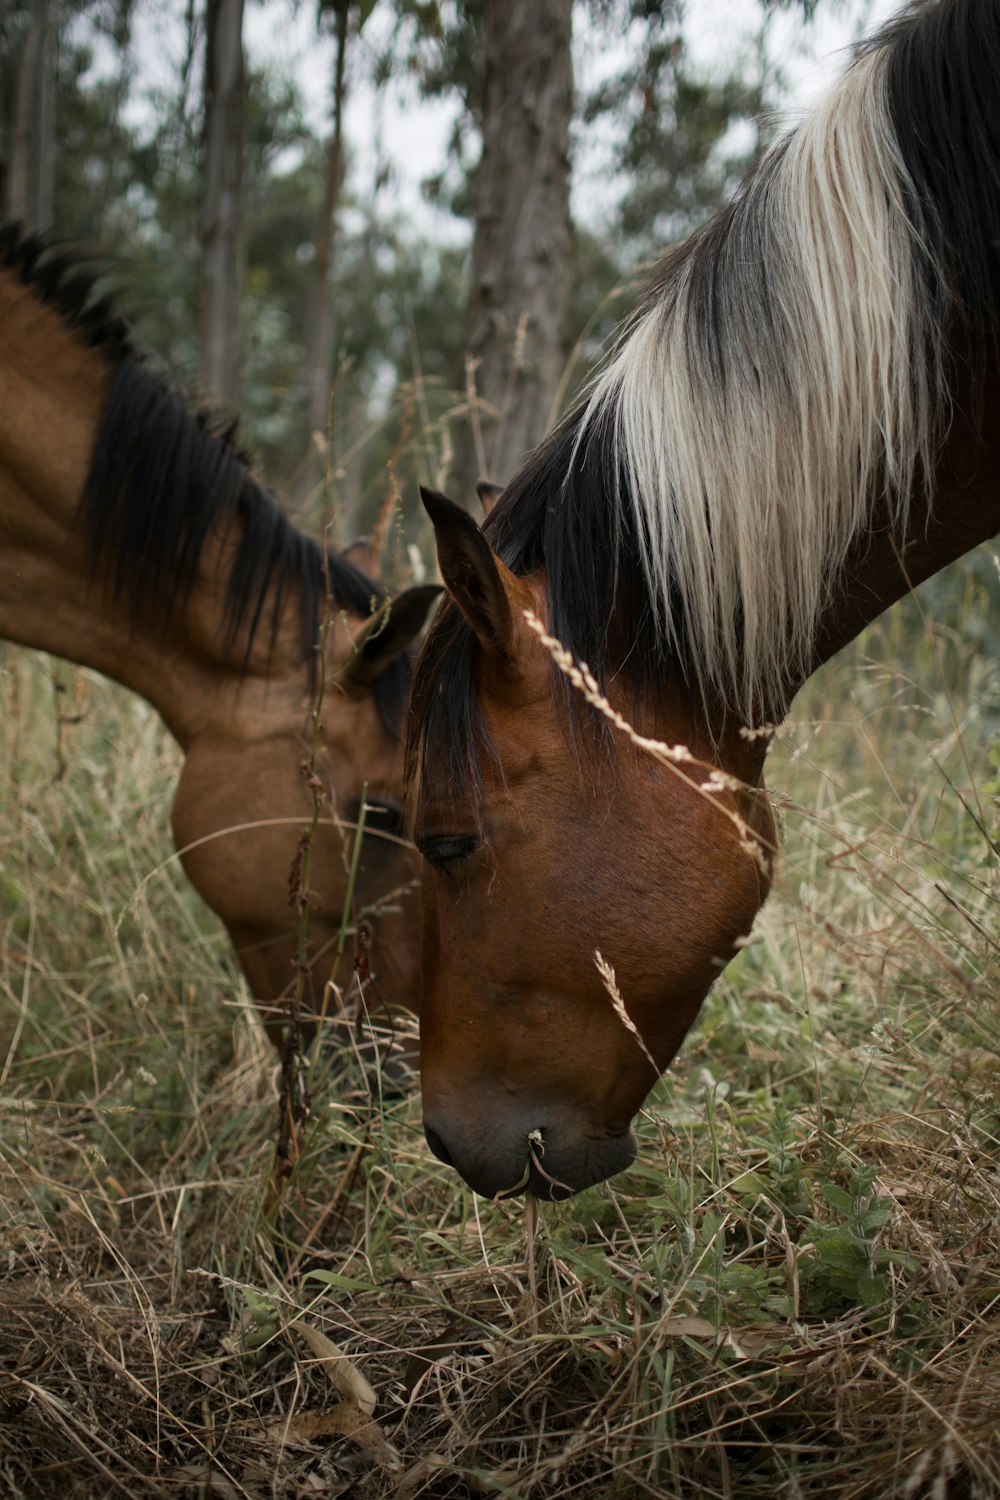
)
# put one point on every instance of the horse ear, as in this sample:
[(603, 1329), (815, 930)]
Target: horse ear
[(387, 635), (489, 493), (475, 578)]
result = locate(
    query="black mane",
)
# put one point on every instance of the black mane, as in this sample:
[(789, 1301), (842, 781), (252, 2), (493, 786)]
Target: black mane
[(560, 512), (66, 282), (162, 480)]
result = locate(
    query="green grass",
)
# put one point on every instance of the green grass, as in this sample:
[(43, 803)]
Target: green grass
[(795, 1292)]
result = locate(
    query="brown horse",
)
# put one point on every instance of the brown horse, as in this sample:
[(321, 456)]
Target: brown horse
[(136, 543), (799, 425)]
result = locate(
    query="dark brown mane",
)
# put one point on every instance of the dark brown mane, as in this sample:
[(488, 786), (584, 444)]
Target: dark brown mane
[(67, 280), (163, 478)]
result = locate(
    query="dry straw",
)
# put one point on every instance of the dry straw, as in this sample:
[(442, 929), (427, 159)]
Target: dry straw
[(607, 974), (705, 780)]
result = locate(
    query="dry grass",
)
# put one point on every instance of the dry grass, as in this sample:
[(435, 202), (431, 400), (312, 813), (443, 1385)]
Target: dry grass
[(795, 1292)]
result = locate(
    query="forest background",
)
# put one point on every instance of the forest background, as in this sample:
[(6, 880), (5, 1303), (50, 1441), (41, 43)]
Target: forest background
[(335, 218)]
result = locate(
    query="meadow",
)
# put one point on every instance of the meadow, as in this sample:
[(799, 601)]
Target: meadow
[(795, 1292)]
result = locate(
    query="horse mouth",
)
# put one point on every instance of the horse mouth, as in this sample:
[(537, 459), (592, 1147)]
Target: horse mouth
[(548, 1166), (559, 1175)]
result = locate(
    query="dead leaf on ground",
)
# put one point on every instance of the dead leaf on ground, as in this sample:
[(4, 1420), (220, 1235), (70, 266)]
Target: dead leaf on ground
[(338, 1368), (343, 1420), (746, 1343)]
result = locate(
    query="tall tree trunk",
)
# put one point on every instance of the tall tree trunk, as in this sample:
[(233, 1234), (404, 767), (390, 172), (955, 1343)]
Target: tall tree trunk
[(222, 198), (523, 234), (321, 333), (32, 155), (111, 180), (319, 337)]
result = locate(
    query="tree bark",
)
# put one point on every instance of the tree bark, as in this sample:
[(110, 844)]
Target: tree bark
[(321, 333), (515, 346), (222, 198), (29, 183)]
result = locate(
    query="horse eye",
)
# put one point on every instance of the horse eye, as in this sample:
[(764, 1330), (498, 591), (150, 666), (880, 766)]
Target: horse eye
[(447, 849), (382, 815)]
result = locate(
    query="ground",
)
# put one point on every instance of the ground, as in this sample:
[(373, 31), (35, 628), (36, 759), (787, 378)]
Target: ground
[(795, 1292)]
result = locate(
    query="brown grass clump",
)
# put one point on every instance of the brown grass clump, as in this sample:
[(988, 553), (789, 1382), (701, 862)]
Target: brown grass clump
[(131, 1368), (796, 1291)]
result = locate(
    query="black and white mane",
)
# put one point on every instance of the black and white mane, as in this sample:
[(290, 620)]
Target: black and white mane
[(784, 387)]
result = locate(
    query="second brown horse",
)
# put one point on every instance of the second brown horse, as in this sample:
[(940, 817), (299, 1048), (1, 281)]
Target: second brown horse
[(135, 542)]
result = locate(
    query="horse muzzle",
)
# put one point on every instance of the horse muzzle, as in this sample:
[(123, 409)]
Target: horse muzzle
[(551, 1152)]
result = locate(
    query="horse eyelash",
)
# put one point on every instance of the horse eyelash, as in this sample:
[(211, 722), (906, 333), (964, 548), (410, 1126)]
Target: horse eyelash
[(445, 851)]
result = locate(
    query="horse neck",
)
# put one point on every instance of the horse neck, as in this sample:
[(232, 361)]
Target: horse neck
[(957, 511), (52, 392), (48, 603)]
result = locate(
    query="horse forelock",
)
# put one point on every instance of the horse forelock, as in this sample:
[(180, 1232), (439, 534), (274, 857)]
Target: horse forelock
[(560, 512), (784, 385)]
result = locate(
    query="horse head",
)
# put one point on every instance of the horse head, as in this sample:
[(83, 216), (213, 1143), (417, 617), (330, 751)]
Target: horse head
[(579, 896)]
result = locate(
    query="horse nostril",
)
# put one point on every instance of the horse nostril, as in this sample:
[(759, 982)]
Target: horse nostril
[(438, 1146)]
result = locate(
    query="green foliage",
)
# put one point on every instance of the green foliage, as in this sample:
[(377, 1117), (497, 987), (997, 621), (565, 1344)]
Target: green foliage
[(992, 787), (848, 1260), (681, 151)]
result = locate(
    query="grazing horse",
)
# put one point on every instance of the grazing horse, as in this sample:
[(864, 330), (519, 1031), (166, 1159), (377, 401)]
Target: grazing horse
[(135, 542), (798, 426)]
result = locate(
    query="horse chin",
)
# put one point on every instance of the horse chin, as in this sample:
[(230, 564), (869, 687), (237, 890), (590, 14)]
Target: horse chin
[(552, 1163), (560, 1175)]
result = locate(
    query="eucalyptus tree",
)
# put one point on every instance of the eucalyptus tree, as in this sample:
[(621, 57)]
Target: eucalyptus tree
[(522, 141), (222, 193)]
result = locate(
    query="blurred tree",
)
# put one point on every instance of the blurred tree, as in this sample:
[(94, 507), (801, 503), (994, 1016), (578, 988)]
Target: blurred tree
[(320, 334), (677, 150), (94, 164), (29, 195), (521, 249), (320, 331), (510, 62), (222, 189), (63, 146)]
